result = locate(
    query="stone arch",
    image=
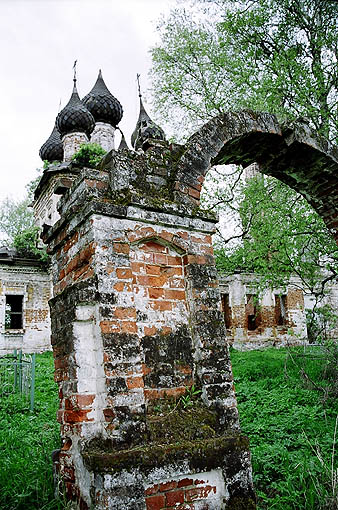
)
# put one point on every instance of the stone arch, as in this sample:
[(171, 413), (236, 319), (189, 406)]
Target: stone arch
[(164, 239), (293, 153)]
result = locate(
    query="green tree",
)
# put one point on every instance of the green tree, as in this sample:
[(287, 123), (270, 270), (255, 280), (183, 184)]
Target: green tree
[(17, 225), (275, 233), (15, 217), (278, 56)]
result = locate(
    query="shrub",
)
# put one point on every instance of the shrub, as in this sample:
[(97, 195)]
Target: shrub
[(89, 155)]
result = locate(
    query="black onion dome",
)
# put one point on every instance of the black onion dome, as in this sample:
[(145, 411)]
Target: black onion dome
[(102, 104), (75, 117), (145, 128), (52, 149)]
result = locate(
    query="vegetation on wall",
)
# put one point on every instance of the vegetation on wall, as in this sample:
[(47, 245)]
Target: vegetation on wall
[(89, 155), (26, 244)]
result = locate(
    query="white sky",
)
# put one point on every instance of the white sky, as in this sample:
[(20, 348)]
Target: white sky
[(39, 41)]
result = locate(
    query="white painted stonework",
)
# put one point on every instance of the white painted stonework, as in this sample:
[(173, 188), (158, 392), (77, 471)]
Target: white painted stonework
[(71, 144), (208, 489), (103, 135), (45, 207)]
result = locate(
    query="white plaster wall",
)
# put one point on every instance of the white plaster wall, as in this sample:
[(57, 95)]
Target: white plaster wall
[(237, 294), (35, 287), (268, 298), (45, 206)]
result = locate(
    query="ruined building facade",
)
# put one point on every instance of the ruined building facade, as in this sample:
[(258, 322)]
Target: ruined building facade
[(275, 318)]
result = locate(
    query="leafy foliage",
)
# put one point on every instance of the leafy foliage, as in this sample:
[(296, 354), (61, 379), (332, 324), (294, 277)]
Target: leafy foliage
[(15, 217), (89, 155), (282, 414), (187, 400), (17, 224), (279, 57), (320, 323), (290, 429), (26, 244)]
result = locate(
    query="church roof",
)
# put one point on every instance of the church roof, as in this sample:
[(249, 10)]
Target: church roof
[(123, 143), (52, 149), (75, 116), (145, 129), (102, 104)]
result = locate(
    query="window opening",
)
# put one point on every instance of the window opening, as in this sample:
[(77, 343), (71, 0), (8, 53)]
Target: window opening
[(13, 312), (252, 312), (226, 310), (280, 310)]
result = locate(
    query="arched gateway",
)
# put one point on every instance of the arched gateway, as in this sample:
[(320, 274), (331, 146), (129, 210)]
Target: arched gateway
[(136, 317)]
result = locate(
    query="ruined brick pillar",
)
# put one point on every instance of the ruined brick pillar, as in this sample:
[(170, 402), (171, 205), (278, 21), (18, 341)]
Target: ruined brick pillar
[(136, 318), (136, 322)]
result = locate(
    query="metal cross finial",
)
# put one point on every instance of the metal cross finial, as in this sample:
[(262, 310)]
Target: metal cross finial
[(74, 67), (138, 84)]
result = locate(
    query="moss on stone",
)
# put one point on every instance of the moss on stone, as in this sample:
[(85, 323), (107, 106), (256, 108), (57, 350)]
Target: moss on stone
[(203, 454), (191, 424), (241, 503)]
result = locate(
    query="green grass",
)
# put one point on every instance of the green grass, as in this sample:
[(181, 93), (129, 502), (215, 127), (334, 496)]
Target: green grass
[(286, 419), (289, 425), (26, 443)]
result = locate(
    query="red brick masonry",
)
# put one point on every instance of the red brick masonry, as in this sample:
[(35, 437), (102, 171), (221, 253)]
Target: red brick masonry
[(179, 495)]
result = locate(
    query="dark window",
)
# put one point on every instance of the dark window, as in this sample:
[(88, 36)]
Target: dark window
[(13, 313), (252, 312), (226, 310), (280, 310)]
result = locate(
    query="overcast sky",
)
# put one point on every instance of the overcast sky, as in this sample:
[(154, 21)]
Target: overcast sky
[(39, 40)]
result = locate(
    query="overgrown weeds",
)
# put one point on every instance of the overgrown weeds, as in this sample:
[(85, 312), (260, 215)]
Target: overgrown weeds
[(292, 431), (26, 443), (289, 424)]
